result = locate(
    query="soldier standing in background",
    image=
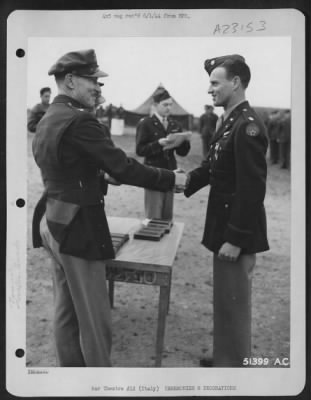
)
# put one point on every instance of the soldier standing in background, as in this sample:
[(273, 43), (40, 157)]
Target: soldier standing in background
[(207, 127), (284, 139), (37, 112), (273, 133), (152, 142)]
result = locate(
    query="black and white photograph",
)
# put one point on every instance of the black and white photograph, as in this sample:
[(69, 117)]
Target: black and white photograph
[(156, 163)]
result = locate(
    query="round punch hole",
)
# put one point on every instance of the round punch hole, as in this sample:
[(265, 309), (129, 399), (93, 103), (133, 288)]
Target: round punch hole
[(20, 353), (20, 203), (20, 53)]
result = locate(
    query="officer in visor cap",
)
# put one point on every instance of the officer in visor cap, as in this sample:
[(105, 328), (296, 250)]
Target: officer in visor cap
[(82, 63), (235, 227), (73, 151)]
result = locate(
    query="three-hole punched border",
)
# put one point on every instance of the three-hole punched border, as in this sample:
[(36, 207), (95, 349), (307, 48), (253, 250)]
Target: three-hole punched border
[(20, 53), (20, 353), (20, 203)]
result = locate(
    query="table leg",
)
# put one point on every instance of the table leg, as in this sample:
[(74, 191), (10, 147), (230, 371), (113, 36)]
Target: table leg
[(169, 292), (163, 309), (111, 291)]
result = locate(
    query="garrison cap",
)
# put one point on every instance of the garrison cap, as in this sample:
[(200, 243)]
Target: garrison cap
[(212, 63), (160, 95), (82, 63)]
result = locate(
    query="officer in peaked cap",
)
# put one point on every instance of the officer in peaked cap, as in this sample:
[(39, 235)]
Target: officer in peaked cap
[(235, 228), (82, 63), (73, 151)]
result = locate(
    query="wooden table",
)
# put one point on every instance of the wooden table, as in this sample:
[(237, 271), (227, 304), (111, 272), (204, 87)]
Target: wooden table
[(148, 263)]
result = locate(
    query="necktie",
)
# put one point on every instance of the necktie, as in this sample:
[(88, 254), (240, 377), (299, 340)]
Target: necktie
[(165, 122), (219, 122)]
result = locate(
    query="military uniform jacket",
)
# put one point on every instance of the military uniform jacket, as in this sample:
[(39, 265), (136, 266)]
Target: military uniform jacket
[(285, 128), (35, 114), (274, 125), (207, 124), (70, 147), (149, 131), (236, 169)]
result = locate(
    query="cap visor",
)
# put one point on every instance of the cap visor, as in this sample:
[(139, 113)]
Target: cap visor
[(97, 74)]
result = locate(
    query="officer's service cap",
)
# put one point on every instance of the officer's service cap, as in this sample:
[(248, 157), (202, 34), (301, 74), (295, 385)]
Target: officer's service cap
[(212, 63), (160, 95), (82, 63)]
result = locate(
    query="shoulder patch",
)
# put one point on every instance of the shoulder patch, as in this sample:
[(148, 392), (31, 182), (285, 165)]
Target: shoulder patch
[(252, 129)]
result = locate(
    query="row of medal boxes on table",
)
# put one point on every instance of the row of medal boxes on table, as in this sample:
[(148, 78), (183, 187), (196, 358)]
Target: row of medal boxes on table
[(153, 230)]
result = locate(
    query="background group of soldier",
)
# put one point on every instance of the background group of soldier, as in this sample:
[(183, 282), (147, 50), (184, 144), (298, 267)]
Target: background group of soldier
[(278, 123)]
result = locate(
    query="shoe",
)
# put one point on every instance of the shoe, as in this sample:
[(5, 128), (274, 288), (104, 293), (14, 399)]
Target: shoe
[(206, 362)]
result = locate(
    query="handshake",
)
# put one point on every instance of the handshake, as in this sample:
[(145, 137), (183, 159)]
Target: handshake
[(181, 180)]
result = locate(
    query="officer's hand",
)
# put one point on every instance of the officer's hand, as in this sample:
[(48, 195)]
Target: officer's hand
[(229, 252)]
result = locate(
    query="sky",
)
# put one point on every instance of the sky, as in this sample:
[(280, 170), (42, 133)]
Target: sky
[(136, 66)]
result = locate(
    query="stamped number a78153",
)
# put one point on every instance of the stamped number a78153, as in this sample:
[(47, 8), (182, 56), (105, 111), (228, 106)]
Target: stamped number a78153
[(236, 27)]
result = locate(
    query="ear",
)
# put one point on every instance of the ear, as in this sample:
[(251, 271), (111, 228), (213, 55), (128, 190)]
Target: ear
[(69, 81), (236, 81)]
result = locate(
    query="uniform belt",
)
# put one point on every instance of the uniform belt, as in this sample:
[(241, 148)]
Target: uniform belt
[(76, 184)]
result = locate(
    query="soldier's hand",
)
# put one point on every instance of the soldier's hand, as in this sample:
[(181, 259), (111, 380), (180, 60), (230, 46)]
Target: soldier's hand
[(229, 252)]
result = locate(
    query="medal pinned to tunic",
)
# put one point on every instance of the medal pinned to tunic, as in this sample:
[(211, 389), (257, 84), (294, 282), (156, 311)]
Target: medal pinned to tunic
[(216, 149), (252, 129)]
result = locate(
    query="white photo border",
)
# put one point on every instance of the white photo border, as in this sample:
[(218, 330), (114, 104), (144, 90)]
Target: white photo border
[(79, 381)]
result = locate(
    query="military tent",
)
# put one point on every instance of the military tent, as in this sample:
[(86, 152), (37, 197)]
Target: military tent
[(178, 112)]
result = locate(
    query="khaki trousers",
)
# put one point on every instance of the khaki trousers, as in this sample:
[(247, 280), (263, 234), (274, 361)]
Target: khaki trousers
[(232, 310), (82, 319), (159, 204)]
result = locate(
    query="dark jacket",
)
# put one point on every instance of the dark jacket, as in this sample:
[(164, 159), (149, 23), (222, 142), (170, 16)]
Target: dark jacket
[(274, 126), (70, 147), (236, 169), (149, 131), (35, 114), (207, 124), (285, 129)]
